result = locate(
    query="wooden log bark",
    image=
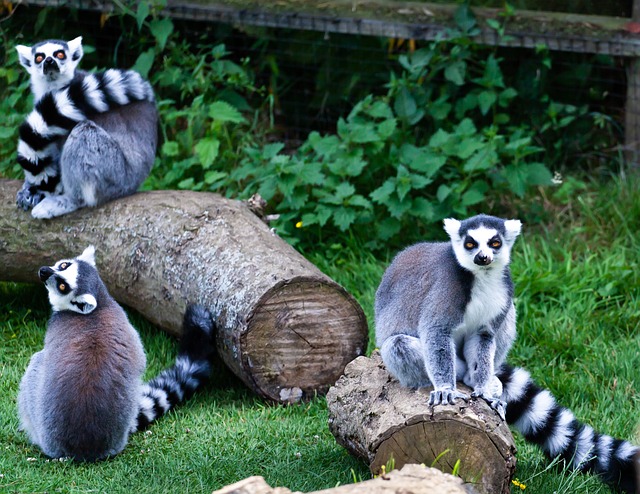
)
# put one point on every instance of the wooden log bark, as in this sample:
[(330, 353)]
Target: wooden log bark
[(376, 418), (414, 479), (286, 329)]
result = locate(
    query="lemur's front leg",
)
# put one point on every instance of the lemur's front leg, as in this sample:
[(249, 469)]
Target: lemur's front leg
[(440, 363), (479, 352)]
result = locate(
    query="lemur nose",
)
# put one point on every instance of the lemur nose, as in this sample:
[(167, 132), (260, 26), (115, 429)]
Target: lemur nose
[(44, 273), (49, 61), (482, 259)]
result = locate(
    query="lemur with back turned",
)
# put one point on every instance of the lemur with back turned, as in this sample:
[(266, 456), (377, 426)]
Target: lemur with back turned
[(90, 138), (82, 394), (444, 312)]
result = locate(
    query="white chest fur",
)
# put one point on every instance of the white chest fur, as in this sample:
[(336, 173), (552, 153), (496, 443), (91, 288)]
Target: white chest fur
[(489, 298)]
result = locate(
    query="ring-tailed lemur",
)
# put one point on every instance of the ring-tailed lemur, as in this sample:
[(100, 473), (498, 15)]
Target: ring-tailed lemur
[(82, 394), (444, 312), (90, 138)]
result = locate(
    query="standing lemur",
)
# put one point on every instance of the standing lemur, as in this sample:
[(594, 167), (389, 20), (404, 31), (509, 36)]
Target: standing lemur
[(82, 394), (90, 138), (444, 312)]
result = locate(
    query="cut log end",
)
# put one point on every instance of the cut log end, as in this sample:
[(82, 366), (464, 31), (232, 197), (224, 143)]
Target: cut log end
[(376, 418), (304, 331)]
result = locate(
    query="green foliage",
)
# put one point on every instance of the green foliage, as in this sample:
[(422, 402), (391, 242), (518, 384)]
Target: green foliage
[(441, 142)]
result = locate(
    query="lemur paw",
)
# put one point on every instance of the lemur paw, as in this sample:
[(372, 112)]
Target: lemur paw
[(497, 404), (26, 198), (445, 396)]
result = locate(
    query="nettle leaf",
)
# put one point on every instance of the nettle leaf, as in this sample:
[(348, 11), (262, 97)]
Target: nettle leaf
[(456, 72), (324, 146), (421, 159), (405, 104), (439, 139), (142, 13), (170, 148), (397, 207), (311, 174), (492, 73), (268, 188), (422, 209), (207, 151), (343, 218), (387, 228), (161, 29), (222, 111), (354, 165), (387, 128), (213, 176), (466, 147), (359, 201), (362, 133), (296, 200), (440, 108), (465, 128), (475, 194), (486, 99), (538, 174), (443, 192), (7, 132), (144, 62), (380, 109), (344, 190), (484, 159), (382, 193), (505, 97), (269, 151), (516, 176)]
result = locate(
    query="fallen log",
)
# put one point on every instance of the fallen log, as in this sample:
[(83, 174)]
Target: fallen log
[(377, 419), (286, 329), (414, 479)]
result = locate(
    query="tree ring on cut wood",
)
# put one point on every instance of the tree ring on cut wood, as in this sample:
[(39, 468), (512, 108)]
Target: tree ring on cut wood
[(301, 331)]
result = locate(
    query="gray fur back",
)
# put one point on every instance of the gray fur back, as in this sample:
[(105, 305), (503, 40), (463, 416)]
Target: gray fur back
[(423, 277), (79, 396)]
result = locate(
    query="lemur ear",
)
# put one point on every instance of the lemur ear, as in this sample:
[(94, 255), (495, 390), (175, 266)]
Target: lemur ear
[(24, 54), (75, 48), (512, 229), (84, 304), (88, 255), (452, 227)]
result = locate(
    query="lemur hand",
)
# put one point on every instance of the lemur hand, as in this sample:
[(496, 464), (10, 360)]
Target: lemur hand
[(494, 402), (28, 196), (446, 396)]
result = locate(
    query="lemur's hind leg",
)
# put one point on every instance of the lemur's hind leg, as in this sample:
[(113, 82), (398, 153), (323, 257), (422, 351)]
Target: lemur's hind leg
[(404, 357), (90, 165)]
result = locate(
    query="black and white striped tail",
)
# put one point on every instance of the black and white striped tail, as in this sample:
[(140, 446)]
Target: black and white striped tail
[(534, 412), (56, 113), (191, 369)]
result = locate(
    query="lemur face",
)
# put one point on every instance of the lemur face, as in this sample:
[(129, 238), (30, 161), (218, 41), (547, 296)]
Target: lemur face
[(63, 282), (482, 243), (51, 63)]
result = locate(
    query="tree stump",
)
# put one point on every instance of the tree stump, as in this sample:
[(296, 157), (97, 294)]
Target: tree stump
[(414, 479), (285, 328), (376, 418)]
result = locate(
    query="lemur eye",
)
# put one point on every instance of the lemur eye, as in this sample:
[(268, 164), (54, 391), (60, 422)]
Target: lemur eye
[(60, 55), (495, 244), (64, 266), (469, 245), (62, 287), (39, 58)]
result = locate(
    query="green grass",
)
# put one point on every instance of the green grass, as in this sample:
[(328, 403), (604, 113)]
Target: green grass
[(578, 300)]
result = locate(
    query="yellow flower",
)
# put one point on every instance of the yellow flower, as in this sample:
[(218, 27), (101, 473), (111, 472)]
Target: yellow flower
[(299, 224), (517, 483)]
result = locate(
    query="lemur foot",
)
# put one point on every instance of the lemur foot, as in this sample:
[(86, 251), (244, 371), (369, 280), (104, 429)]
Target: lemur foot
[(497, 404), (445, 396), (28, 197)]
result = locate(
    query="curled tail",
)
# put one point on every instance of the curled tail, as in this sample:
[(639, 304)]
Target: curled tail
[(534, 412), (191, 369)]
